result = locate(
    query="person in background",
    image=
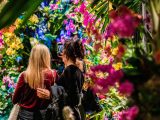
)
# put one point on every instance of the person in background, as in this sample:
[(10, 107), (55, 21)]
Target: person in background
[(32, 92), (72, 78)]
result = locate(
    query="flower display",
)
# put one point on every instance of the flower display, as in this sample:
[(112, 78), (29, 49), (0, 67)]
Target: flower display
[(13, 43), (129, 114), (122, 51), (9, 82), (120, 22), (34, 19), (54, 6), (126, 88), (107, 76)]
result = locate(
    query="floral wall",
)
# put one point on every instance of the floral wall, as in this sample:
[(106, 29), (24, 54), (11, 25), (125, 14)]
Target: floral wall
[(121, 43)]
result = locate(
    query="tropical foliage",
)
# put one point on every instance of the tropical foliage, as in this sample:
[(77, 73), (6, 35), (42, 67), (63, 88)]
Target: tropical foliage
[(122, 44)]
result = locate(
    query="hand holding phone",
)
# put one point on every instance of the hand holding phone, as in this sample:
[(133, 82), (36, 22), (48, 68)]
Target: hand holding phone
[(60, 49)]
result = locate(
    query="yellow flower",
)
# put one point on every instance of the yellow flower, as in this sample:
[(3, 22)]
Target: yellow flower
[(10, 51), (18, 22), (13, 45), (117, 66), (8, 42), (101, 74), (17, 40), (34, 19), (88, 62), (104, 60), (8, 34), (110, 6), (21, 46), (114, 51)]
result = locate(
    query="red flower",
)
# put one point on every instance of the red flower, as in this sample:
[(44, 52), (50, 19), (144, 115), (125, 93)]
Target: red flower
[(121, 51), (157, 57)]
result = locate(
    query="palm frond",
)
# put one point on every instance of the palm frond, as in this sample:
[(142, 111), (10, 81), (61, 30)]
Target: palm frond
[(100, 9), (14, 8)]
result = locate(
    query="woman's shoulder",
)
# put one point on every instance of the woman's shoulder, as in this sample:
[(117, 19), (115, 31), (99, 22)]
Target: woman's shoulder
[(21, 77), (50, 76), (22, 74), (49, 72), (72, 69)]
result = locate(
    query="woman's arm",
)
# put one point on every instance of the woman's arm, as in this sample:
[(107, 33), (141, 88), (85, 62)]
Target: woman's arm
[(44, 93), (17, 93)]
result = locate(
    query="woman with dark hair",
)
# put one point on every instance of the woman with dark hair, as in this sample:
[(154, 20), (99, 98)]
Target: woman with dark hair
[(89, 101), (72, 78)]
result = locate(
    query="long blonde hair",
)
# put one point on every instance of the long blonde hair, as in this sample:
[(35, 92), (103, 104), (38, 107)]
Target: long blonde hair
[(39, 60)]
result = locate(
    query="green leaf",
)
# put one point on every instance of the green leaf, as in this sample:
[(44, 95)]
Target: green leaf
[(13, 9), (105, 23)]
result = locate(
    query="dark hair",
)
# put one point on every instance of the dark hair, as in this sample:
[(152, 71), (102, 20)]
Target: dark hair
[(73, 50), (78, 47)]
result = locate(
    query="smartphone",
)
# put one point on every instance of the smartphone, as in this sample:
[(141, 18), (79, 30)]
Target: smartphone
[(60, 49)]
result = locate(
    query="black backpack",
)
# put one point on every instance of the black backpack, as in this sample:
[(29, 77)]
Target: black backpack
[(90, 101), (54, 110)]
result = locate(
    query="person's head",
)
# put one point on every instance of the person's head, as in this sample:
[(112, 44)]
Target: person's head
[(78, 46), (39, 60), (72, 51)]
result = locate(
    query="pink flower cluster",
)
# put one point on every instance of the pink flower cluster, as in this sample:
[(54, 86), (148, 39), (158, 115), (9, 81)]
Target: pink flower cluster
[(9, 82), (71, 15), (87, 17), (1, 40), (129, 114), (53, 6), (101, 85), (123, 22), (126, 88), (75, 2)]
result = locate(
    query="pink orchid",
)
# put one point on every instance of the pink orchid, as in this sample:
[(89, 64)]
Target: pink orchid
[(6, 79), (82, 8), (65, 22), (104, 83), (76, 10), (129, 114), (68, 16), (75, 2), (54, 6), (120, 20), (126, 88)]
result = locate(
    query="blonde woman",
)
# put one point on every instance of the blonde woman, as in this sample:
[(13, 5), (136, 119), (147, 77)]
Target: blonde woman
[(34, 84)]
